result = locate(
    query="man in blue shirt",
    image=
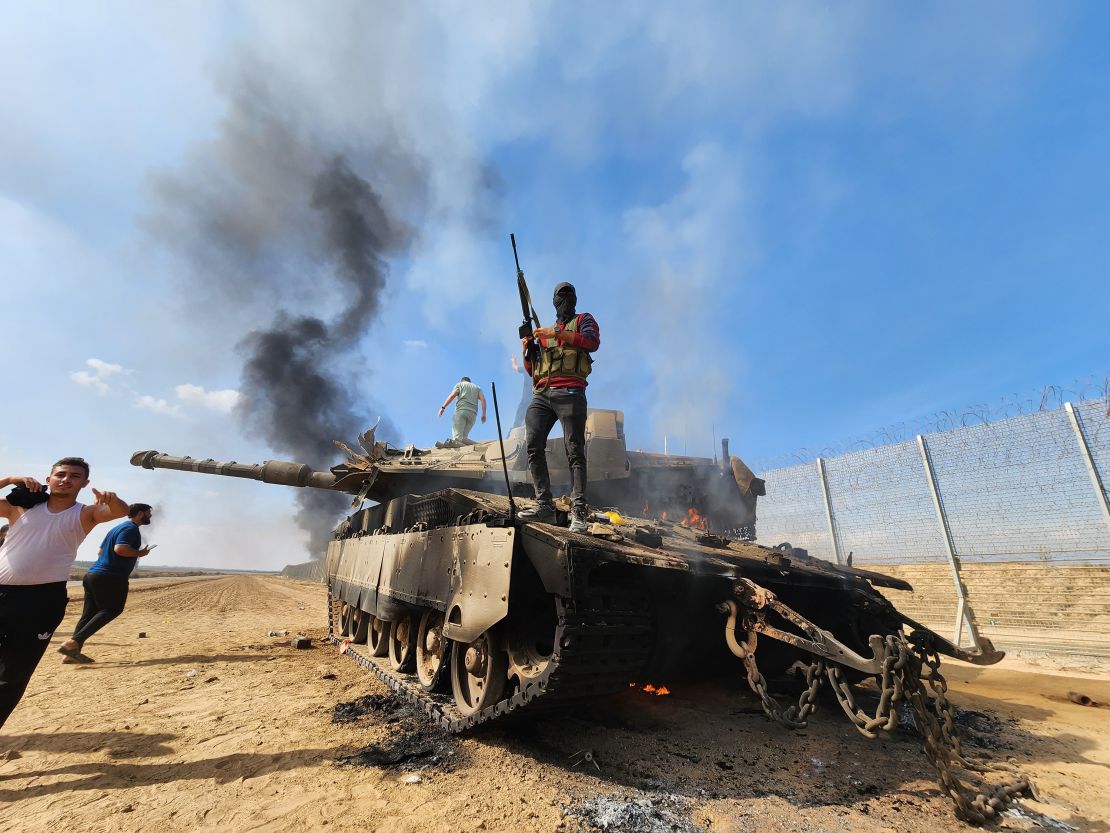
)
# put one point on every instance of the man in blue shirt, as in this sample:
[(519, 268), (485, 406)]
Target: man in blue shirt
[(106, 581)]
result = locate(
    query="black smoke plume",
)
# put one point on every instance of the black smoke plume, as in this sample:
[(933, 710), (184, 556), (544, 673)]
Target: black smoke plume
[(269, 211)]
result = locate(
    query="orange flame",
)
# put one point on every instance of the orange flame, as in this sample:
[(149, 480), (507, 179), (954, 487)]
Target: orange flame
[(663, 515), (695, 519), (651, 688)]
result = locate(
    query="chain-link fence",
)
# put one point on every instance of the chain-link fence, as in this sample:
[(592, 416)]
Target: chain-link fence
[(1003, 527)]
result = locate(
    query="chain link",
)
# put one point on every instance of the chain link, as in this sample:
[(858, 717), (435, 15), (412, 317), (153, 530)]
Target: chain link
[(910, 672)]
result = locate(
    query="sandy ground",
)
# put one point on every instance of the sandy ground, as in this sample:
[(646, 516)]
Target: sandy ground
[(208, 724)]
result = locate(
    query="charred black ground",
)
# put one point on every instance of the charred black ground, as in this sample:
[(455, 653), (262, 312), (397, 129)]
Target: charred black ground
[(411, 742)]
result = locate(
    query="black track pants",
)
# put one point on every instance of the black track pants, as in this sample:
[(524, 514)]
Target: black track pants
[(105, 597), (29, 615)]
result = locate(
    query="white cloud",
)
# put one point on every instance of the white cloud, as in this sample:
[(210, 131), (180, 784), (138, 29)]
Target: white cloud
[(104, 368), (88, 380), (102, 371), (223, 401), (158, 406), (416, 344)]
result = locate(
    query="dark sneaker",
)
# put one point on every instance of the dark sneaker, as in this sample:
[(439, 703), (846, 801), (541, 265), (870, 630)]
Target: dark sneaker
[(577, 521), (540, 513)]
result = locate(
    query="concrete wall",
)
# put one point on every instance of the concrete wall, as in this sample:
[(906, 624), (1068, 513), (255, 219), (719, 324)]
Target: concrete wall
[(1044, 607)]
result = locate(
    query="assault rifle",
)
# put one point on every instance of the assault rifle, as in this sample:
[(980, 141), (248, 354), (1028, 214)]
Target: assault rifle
[(532, 351)]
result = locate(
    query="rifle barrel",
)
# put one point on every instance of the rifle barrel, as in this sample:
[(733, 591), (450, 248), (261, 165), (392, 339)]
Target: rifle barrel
[(512, 238)]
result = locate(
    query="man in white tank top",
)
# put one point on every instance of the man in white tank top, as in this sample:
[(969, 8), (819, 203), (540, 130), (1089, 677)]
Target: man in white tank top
[(45, 532)]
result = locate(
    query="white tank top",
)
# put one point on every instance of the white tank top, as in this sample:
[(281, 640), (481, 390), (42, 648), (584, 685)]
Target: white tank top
[(41, 546)]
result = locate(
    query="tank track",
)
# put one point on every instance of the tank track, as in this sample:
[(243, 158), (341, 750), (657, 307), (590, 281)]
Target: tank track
[(603, 640)]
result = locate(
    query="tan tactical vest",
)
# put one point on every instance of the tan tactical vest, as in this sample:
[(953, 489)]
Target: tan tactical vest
[(561, 360)]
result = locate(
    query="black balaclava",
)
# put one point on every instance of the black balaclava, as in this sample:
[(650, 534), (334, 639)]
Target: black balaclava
[(565, 300)]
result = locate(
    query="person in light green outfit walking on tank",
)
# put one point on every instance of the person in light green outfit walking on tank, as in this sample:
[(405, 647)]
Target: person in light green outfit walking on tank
[(468, 395)]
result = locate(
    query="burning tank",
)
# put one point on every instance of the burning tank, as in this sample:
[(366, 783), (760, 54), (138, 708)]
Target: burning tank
[(473, 615)]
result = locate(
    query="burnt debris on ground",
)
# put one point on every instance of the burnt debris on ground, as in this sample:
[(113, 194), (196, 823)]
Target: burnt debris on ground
[(385, 708), (983, 730), (637, 813), (977, 729), (411, 742)]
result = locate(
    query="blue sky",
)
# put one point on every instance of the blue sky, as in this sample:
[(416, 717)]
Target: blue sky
[(795, 223)]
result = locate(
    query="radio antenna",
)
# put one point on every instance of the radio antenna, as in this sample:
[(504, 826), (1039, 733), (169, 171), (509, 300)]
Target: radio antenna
[(504, 465)]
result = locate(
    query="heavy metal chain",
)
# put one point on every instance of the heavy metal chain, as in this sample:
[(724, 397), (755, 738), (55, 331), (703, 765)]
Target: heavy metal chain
[(905, 665), (793, 717), (934, 718), (807, 701), (896, 655)]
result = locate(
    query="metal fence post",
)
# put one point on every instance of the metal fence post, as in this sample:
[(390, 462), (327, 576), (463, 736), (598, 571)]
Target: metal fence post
[(964, 614), (828, 510), (1085, 450)]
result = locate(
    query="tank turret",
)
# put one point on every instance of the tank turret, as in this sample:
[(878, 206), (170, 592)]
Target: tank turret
[(717, 496)]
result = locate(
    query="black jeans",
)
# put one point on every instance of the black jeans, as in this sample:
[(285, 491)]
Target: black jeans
[(568, 406), (29, 614), (105, 597)]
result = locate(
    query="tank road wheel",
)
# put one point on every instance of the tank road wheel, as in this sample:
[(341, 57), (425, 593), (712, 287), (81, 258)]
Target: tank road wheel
[(378, 637), (530, 640), (360, 624), (479, 672), (345, 619), (402, 643), (431, 651)]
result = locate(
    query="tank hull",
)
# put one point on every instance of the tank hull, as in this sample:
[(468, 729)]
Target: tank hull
[(613, 610)]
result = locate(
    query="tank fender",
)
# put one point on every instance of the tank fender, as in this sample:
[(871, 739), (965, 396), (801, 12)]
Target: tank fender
[(551, 562), (481, 564), (354, 567), (351, 594)]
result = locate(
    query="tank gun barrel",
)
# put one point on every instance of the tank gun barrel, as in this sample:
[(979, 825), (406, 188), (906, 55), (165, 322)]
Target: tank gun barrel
[(278, 472)]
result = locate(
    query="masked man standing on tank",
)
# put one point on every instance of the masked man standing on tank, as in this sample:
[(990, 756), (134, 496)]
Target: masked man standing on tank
[(47, 527), (559, 385)]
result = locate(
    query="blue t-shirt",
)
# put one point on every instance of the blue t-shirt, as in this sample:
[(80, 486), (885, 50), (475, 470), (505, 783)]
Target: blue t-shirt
[(111, 564)]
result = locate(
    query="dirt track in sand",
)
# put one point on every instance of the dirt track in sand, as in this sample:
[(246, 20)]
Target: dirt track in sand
[(208, 724)]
